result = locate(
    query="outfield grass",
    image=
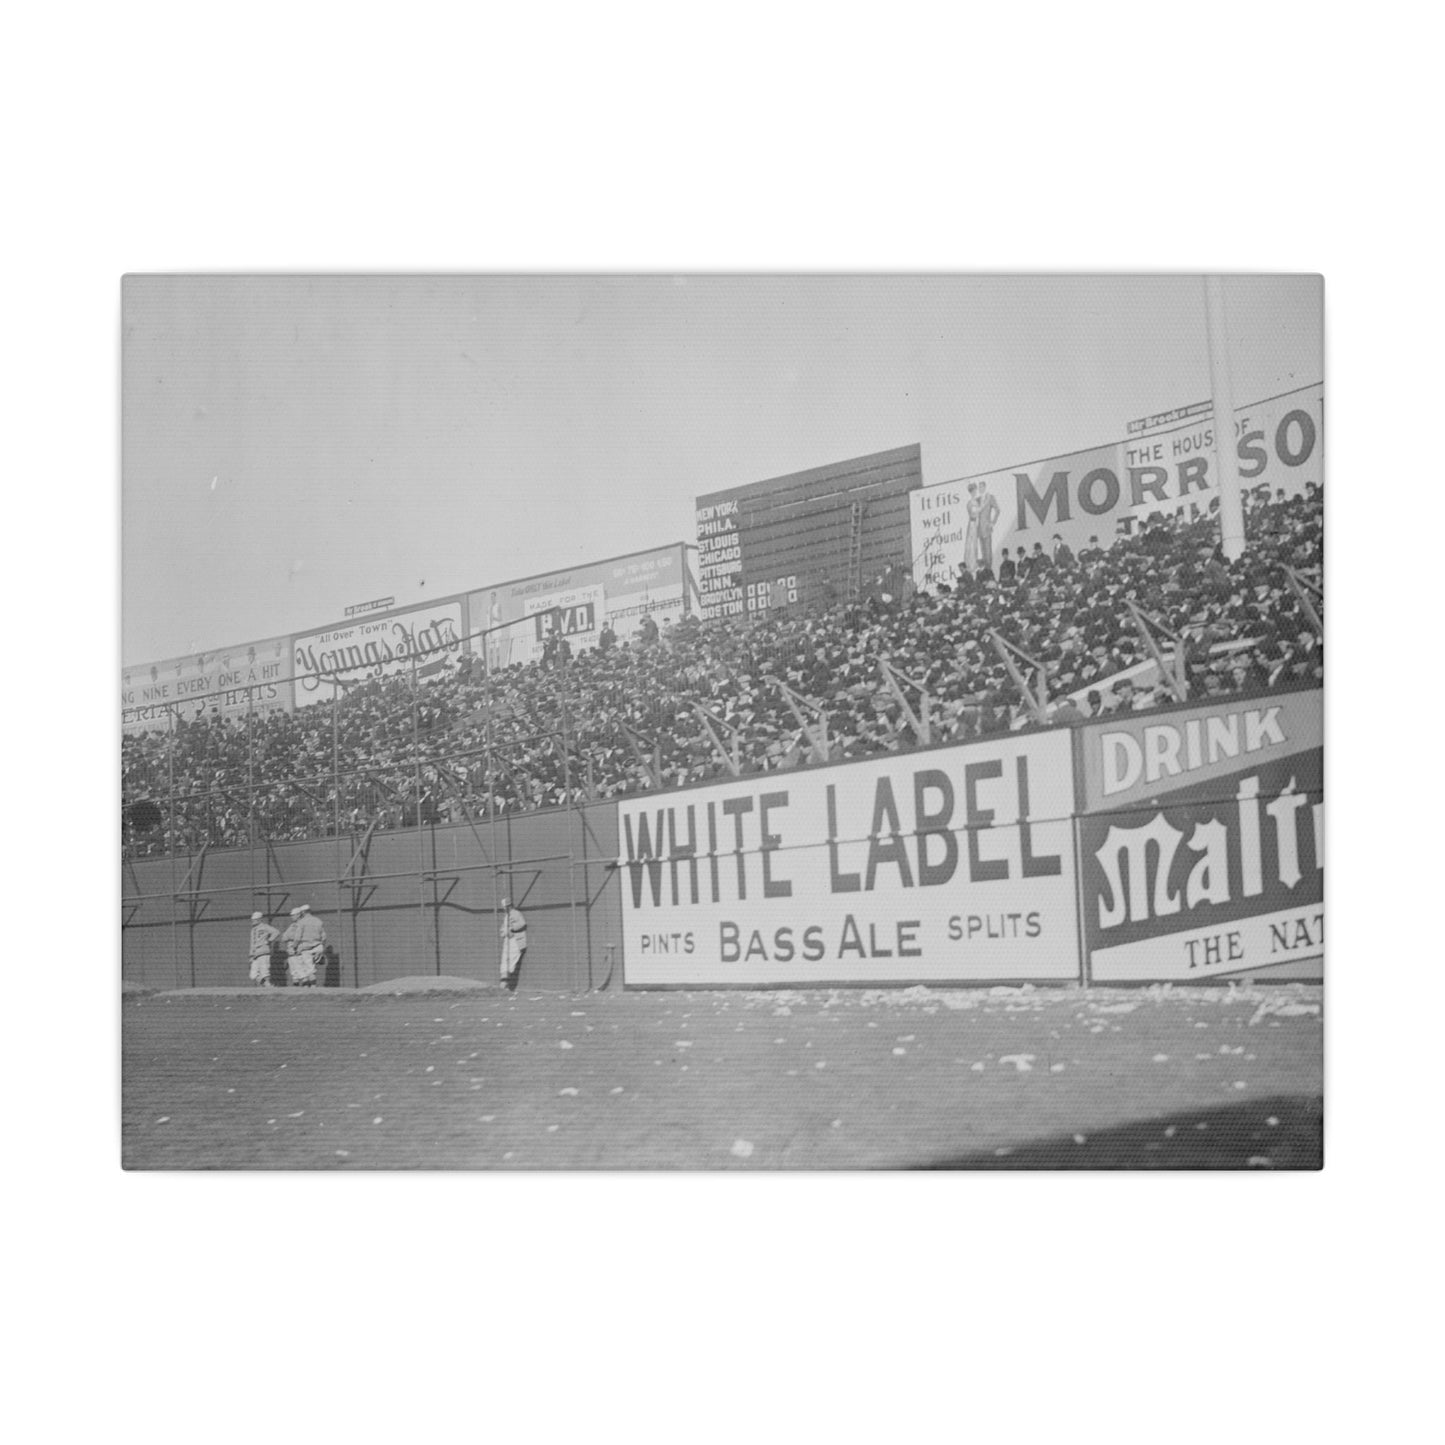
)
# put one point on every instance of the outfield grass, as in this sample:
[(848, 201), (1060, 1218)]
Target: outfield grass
[(1002, 1078)]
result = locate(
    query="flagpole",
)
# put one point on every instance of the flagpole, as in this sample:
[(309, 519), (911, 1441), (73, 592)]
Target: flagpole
[(1231, 506)]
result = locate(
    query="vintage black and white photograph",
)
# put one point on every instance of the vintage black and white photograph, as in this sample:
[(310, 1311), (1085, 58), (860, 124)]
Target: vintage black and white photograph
[(722, 722)]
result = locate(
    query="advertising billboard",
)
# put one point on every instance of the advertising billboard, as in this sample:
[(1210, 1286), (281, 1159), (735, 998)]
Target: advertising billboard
[(620, 591), (948, 865), (425, 639), (1107, 492), (227, 683), (1202, 840)]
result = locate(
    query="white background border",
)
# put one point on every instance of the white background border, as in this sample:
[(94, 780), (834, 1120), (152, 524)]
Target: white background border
[(755, 138)]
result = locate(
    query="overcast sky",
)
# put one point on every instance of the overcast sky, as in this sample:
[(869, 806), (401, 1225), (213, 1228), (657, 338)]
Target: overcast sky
[(295, 445)]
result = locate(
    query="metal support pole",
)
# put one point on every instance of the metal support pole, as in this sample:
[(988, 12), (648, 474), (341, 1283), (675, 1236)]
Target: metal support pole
[(491, 774), (171, 832), (416, 790), (566, 741), (336, 822), (251, 791), (1226, 459), (336, 758), (1086, 977), (567, 789)]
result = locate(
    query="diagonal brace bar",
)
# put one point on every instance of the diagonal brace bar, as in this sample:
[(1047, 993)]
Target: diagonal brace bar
[(1036, 695), (1171, 669), (710, 723), (1311, 597), (648, 752), (798, 705), (919, 721)]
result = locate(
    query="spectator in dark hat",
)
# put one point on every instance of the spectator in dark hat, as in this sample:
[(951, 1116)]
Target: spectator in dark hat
[(1067, 714), (1124, 700), (1247, 677)]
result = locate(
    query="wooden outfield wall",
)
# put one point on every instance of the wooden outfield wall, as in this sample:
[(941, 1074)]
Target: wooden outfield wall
[(413, 903)]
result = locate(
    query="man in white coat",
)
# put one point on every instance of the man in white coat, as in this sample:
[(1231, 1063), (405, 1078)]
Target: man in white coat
[(514, 943)]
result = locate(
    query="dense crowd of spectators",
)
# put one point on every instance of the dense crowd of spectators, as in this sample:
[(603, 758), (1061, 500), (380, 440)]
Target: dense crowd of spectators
[(624, 716)]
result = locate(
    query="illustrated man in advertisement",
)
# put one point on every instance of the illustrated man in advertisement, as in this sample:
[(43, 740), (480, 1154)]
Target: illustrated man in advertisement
[(499, 644), (263, 936), (970, 537), (305, 944), (514, 944), (988, 510)]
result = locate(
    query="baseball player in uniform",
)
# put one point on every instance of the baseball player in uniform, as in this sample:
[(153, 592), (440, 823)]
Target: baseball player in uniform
[(262, 937), (305, 943), (514, 943)]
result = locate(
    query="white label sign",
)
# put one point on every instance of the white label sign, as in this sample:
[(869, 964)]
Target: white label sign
[(951, 865)]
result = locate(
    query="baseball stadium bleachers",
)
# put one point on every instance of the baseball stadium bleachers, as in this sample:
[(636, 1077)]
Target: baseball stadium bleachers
[(608, 722)]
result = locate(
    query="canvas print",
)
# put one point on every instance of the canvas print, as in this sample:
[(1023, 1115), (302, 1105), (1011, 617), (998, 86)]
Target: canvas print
[(722, 722)]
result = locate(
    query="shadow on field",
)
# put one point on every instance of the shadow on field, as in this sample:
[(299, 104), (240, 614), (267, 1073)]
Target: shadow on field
[(1284, 1132)]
